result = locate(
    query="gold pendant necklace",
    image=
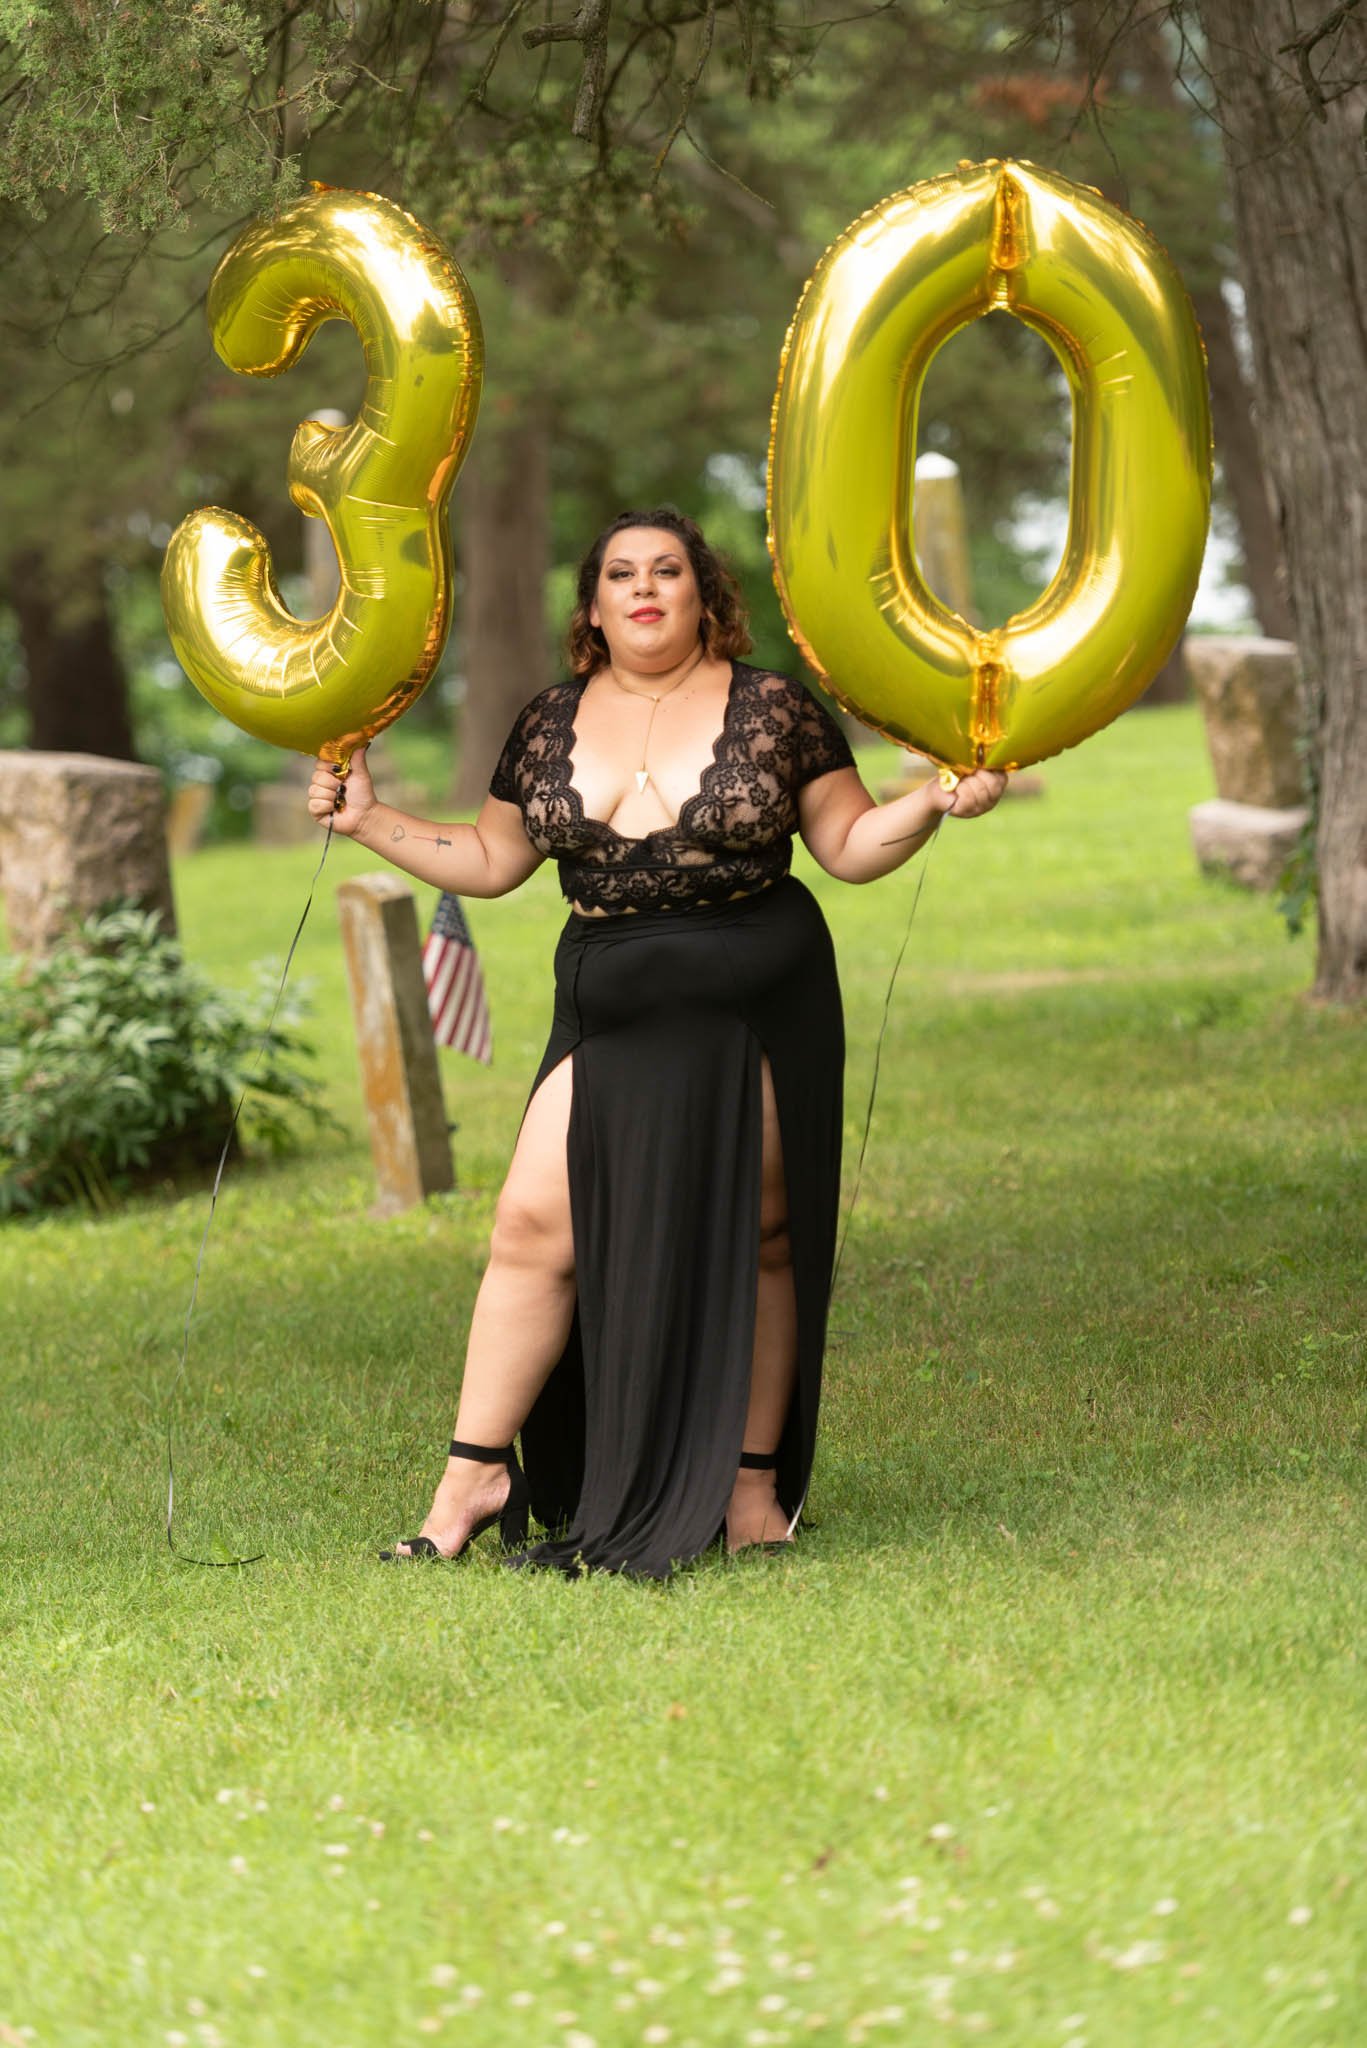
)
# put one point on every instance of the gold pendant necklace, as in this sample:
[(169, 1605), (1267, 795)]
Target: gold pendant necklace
[(642, 774)]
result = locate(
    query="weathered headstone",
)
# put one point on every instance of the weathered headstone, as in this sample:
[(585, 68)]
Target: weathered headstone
[(188, 816), (1248, 842), (1248, 692), (942, 531), (79, 831), (409, 1139), (1249, 695)]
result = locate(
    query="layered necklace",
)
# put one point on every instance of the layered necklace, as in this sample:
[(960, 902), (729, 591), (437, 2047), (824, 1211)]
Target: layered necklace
[(643, 772)]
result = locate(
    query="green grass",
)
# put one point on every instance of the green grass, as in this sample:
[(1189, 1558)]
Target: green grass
[(1052, 1731)]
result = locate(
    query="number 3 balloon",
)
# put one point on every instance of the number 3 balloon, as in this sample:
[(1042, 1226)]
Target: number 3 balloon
[(381, 483), (896, 285)]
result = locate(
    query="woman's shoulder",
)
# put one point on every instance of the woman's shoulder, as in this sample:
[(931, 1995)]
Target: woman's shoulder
[(773, 684), (549, 707)]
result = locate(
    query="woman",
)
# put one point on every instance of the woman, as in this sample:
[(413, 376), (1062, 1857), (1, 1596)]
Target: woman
[(652, 1316)]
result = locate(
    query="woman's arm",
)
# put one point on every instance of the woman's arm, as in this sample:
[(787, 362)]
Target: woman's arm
[(857, 840), (487, 858)]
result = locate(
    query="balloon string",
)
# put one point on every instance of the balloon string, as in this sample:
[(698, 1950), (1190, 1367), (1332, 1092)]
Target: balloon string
[(877, 1062), (223, 1563)]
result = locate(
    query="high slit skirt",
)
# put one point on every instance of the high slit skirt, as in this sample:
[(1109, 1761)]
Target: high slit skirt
[(632, 1447)]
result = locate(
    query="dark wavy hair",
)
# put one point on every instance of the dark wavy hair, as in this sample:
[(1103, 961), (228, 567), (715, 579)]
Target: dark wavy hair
[(725, 627)]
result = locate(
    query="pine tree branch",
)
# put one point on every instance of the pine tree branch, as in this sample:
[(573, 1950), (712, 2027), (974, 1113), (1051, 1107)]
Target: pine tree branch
[(590, 29)]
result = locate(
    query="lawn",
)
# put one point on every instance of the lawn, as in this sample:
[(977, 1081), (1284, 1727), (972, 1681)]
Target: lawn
[(1052, 1729)]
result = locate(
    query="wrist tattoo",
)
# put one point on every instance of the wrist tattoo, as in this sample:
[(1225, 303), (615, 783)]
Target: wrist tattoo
[(429, 840), (398, 833)]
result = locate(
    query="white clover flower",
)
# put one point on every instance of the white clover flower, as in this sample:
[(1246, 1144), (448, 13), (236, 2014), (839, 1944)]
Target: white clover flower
[(941, 1832), (1299, 1916), (1138, 1955), (1164, 1906), (238, 1865), (442, 1975), (336, 1849)]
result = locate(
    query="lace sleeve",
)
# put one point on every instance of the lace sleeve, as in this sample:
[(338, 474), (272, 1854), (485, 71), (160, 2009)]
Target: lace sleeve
[(504, 782), (822, 746)]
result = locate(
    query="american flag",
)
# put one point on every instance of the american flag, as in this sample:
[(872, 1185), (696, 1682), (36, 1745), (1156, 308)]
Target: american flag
[(455, 986)]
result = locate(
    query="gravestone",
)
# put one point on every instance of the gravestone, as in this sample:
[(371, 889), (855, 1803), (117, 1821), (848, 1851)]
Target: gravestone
[(1249, 695), (79, 831), (1248, 689), (409, 1138), (1249, 842)]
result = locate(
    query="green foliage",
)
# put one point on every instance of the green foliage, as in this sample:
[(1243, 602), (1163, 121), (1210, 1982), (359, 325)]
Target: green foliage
[(120, 1062), (142, 110)]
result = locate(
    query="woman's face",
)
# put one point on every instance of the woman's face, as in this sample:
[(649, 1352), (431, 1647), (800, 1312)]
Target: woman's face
[(648, 606)]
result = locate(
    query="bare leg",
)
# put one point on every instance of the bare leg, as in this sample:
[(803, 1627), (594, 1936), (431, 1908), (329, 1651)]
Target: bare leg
[(754, 1515), (522, 1313)]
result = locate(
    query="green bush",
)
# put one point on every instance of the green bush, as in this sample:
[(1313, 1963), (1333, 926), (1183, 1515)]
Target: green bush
[(120, 1064)]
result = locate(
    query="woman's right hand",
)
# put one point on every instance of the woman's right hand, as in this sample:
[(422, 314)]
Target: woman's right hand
[(358, 798)]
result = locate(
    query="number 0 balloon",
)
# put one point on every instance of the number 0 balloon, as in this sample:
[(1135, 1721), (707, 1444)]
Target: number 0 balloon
[(896, 285), (382, 483)]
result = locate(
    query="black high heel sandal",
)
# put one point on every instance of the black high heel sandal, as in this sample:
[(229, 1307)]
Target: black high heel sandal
[(512, 1517), (760, 1461)]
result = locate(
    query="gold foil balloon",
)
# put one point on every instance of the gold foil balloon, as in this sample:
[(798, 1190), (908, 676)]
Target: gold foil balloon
[(381, 483), (896, 285)]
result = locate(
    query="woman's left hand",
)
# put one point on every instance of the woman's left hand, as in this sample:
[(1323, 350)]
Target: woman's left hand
[(976, 793)]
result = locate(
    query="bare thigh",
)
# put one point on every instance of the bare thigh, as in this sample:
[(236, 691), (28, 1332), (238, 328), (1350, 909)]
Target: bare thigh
[(773, 1194), (535, 1203)]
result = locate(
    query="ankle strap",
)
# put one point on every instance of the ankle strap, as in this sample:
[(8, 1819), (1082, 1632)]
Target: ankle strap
[(758, 1461), (486, 1454)]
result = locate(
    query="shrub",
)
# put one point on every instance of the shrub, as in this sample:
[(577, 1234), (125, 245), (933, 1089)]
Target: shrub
[(120, 1064)]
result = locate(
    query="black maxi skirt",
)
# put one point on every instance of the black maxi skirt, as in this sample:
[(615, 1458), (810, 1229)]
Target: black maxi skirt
[(631, 1449)]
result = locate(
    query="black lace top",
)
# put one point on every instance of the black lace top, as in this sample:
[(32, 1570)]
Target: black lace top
[(733, 837)]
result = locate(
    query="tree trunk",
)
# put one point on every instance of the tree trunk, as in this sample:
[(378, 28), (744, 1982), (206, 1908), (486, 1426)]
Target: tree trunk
[(1231, 400), (1241, 462), (504, 536), (77, 692), (1144, 43), (1300, 201)]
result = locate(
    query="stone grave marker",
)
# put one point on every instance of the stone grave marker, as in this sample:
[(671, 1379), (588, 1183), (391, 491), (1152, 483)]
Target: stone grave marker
[(77, 832)]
